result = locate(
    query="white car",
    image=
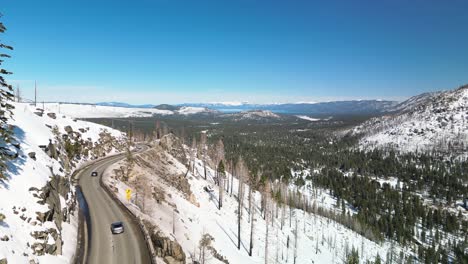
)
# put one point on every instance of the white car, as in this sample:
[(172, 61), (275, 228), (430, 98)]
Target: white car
[(117, 228)]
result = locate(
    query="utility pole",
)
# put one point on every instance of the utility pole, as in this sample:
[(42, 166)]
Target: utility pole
[(35, 93)]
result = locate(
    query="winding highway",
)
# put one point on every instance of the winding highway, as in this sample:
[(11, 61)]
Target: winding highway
[(100, 245)]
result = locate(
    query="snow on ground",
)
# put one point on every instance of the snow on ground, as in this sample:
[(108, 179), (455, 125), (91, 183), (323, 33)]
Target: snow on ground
[(95, 111), (24, 172), (189, 110), (439, 122), (99, 111), (320, 240), (308, 118)]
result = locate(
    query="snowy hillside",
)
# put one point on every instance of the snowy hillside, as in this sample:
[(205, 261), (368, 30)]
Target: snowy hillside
[(165, 190), (430, 123), (190, 110), (37, 198), (111, 111), (254, 115)]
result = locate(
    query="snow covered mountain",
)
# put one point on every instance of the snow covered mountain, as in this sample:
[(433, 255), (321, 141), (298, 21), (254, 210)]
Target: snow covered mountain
[(253, 115), (324, 108), (414, 102), (120, 104), (100, 111), (436, 122), (37, 201)]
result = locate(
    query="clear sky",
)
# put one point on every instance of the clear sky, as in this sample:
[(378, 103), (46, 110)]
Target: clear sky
[(170, 51)]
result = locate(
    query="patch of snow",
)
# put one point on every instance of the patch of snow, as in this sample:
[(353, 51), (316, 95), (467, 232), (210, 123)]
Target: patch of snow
[(308, 118)]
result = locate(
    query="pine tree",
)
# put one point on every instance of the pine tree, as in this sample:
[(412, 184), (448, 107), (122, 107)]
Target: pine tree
[(6, 96)]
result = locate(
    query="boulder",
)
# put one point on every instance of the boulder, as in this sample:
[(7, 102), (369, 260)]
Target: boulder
[(51, 249), (167, 248), (52, 115), (68, 129), (32, 155)]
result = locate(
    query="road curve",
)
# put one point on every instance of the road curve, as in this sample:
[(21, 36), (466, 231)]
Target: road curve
[(100, 245)]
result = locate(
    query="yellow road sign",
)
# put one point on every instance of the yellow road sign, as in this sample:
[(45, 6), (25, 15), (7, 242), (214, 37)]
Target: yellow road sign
[(128, 194)]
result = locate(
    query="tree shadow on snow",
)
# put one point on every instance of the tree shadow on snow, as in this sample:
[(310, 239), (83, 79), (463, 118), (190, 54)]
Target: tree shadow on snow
[(14, 165), (230, 238)]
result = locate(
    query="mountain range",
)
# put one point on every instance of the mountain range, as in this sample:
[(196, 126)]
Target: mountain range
[(355, 107)]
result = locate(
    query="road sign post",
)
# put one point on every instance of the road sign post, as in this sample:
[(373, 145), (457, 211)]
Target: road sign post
[(128, 193)]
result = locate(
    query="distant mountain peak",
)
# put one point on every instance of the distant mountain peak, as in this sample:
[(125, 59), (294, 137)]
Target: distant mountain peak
[(430, 122)]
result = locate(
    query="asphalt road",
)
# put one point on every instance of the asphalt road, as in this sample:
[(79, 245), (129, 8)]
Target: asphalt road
[(101, 246)]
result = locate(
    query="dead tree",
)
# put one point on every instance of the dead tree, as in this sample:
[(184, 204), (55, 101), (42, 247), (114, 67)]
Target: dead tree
[(221, 172), (253, 184), (242, 170), (267, 195)]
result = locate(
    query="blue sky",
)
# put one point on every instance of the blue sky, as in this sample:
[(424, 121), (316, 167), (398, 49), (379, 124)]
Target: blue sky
[(170, 51)]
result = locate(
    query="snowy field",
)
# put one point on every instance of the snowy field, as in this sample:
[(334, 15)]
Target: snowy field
[(97, 111)]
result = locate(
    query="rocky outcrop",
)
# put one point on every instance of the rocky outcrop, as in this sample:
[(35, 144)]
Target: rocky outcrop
[(57, 213), (159, 163), (173, 145), (68, 129), (166, 248), (32, 155), (52, 115)]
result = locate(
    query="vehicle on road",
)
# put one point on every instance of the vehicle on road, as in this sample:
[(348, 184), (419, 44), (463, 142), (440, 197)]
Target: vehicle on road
[(117, 228), (208, 189), (94, 174)]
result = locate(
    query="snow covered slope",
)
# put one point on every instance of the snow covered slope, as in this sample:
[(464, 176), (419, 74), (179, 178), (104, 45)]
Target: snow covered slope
[(113, 111), (254, 115), (37, 199), (95, 111), (429, 123), (165, 191)]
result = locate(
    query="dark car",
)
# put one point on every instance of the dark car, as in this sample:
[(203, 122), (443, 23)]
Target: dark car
[(117, 228), (94, 174), (208, 189)]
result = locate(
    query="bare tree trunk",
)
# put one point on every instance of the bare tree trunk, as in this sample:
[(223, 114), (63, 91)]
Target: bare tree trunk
[(250, 199), (204, 166), (232, 176), (283, 214), (239, 218), (295, 242), (267, 231), (221, 189), (252, 228)]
